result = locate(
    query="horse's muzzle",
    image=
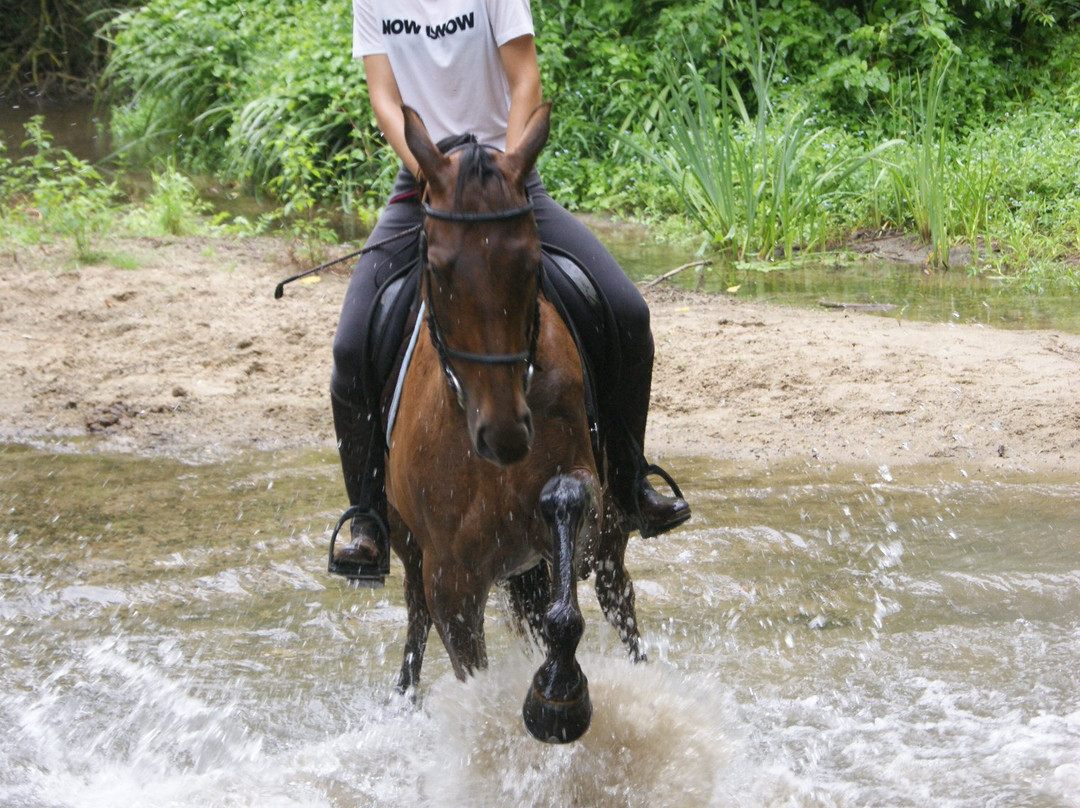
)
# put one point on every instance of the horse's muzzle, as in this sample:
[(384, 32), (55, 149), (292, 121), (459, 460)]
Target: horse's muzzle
[(504, 444)]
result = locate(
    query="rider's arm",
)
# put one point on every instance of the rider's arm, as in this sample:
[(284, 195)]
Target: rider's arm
[(523, 74), (386, 102)]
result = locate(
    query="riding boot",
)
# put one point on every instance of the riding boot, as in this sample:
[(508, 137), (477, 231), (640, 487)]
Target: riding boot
[(649, 511), (366, 556)]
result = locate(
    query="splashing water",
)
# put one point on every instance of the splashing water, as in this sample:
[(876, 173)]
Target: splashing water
[(821, 637)]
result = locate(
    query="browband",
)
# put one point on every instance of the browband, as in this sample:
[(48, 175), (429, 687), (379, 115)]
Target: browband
[(490, 216)]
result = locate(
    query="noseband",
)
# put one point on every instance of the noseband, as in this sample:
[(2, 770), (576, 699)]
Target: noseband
[(444, 351)]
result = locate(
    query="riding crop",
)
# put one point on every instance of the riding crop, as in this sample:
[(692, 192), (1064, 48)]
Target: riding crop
[(280, 290)]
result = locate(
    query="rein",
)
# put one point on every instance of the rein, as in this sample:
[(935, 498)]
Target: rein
[(438, 340)]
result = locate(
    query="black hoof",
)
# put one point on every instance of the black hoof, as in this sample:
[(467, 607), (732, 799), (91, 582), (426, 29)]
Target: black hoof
[(558, 721)]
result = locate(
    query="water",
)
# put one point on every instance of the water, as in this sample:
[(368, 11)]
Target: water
[(818, 637), (904, 292), (75, 125)]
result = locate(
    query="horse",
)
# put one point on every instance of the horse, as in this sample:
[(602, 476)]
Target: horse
[(492, 477)]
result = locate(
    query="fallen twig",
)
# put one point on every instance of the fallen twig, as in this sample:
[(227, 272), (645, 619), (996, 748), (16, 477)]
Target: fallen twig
[(857, 306), (675, 272)]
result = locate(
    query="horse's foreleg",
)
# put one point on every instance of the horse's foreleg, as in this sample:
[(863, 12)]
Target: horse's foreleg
[(530, 595), (456, 597), (557, 707), (615, 589), (419, 619)]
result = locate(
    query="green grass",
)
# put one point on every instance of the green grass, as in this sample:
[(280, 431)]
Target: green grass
[(51, 194)]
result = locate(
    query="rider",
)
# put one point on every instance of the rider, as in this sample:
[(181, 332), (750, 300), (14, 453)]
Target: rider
[(471, 66)]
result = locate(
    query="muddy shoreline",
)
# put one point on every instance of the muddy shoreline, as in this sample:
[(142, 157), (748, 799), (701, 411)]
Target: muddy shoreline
[(190, 355)]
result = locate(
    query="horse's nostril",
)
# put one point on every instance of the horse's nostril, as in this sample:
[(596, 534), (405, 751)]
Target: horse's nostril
[(482, 447), (527, 422)]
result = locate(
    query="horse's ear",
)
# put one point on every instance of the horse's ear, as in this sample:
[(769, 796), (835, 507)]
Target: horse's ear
[(535, 134), (433, 163)]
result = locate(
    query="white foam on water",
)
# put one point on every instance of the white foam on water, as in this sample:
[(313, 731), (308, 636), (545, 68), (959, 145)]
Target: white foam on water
[(858, 660), (119, 728), (890, 736), (657, 739)]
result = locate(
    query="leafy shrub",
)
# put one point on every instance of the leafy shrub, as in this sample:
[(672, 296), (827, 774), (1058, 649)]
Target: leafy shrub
[(174, 206), (228, 87), (50, 192)]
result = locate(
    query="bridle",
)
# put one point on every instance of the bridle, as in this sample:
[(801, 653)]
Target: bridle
[(438, 340)]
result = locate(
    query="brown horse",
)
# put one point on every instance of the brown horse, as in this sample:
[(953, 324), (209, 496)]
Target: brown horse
[(491, 473)]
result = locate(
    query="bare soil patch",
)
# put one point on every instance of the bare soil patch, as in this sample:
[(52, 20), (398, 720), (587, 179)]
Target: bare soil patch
[(190, 355)]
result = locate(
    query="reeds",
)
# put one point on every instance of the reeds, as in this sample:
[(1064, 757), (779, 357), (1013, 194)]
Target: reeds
[(917, 181), (760, 184)]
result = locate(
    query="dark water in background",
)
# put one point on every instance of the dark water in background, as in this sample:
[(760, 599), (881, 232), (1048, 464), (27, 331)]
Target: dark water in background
[(78, 126), (940, 297)]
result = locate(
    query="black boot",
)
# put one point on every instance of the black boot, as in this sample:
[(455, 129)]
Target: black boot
[(657, 513), (649, 511), (365, 559)]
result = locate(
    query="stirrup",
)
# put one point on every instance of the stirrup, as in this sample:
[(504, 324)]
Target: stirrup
[(644, 472), (374, 575)]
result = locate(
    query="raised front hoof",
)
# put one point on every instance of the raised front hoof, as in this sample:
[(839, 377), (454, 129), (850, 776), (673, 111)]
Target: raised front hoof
[(558, 721)]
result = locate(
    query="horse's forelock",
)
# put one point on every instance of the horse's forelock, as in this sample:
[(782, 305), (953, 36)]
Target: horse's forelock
[(477, 166)]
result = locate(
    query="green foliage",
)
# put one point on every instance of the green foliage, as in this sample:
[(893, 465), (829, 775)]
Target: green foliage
[(173, 208), (304, 176), (1034, 210), (176, 65), (48, 194), (917, 181), (51, 193), (230, 87), (775, 129), (761, 183), (595, 65)]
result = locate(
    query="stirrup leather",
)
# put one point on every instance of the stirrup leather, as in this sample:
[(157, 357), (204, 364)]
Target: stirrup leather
[(362, 574)]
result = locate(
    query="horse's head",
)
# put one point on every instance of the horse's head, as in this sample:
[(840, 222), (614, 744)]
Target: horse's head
[(481, 280)]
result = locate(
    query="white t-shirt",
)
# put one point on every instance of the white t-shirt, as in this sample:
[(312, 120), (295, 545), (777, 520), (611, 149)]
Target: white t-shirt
[(445, 57)]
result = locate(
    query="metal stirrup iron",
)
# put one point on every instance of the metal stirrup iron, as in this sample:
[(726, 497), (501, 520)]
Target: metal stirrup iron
[(373, 575), (643, 474)]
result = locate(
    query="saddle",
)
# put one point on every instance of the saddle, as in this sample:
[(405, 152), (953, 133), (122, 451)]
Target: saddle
[(584, 310)]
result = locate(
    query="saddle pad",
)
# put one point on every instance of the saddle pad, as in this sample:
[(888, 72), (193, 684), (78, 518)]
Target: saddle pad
[(395, 400)]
